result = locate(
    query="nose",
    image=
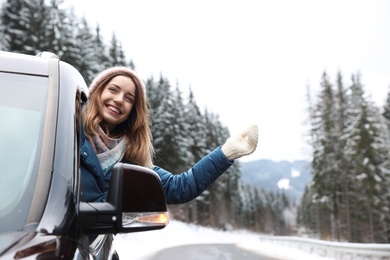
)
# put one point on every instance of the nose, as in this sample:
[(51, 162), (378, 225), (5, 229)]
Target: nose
[(119, 99)]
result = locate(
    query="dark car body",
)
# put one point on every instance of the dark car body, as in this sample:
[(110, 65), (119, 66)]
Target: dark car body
[(42, 214)]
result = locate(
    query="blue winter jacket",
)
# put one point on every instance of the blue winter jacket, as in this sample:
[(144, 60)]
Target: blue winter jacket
[(179, 188)]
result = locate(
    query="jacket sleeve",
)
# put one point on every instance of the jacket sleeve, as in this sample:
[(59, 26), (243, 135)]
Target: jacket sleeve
[(186, 186)]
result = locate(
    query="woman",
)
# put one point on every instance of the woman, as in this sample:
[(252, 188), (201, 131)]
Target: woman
[(116, 129)]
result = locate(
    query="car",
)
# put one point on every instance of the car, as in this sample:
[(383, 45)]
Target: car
[(42, 213)]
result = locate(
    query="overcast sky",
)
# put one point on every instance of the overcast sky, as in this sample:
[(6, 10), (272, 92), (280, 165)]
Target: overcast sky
[(252, 60)]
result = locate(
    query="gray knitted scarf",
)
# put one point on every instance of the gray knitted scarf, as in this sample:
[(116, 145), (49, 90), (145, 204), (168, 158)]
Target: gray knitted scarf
[(109, 151)]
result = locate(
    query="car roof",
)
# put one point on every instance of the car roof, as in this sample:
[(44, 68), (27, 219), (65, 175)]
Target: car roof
[(22, 63), (31, 65)]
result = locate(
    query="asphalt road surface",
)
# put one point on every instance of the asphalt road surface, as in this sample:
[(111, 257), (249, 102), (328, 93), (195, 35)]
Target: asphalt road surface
[(207, 252)]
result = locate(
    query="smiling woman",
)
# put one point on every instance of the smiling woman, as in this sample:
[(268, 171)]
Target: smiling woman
[(117, 99)]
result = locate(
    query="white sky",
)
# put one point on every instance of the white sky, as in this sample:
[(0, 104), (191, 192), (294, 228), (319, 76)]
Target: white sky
[(251, 60)]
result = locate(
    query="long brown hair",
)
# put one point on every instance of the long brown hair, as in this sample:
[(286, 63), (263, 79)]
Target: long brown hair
[(135, 128)]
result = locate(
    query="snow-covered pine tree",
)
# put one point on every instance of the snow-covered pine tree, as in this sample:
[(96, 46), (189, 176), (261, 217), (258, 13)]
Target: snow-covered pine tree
[(165, 129), (341, 211), (367, 148), (116, 56), (325, 179), (86, 58), (25, 25)]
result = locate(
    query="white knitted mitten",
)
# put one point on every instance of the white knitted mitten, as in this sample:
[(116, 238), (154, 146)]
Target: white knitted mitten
[(242, 144)]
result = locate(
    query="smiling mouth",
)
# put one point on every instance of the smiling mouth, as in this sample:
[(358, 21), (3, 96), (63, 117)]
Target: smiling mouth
[(114, 109)]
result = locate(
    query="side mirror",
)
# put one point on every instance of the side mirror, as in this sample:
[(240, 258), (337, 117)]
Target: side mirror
[(135, 202)]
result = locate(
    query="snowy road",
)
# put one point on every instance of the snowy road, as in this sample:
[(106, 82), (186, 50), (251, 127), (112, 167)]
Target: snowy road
[(145, 245), (207, 252)]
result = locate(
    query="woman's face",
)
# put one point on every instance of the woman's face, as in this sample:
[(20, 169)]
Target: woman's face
[(117, 100)]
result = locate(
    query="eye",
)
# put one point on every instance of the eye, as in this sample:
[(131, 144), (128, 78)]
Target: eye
[(112, 89), (129, 99)]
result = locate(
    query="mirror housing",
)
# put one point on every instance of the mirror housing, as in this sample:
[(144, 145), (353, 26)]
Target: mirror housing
[(136, 202)]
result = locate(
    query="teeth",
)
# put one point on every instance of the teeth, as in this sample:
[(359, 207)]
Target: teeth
[(113, 109)]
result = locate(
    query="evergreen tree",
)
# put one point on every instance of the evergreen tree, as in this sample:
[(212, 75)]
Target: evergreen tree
[(87, 58), (182, 129), (386, 111), (67, 27), (56, 24), (325, 179), (25, 26), (367, 148), (215, 199), (166, 129), (341, 209), (307, 214), (201, 208), (196, 131), (151, 96), (351, 145), (116, 53), (279, 203), (101, 54)]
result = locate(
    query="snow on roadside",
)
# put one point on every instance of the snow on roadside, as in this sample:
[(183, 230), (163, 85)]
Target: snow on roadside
[(143, 245)]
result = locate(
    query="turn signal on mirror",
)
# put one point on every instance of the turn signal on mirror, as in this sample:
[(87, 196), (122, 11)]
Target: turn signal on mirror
[(145, 219)]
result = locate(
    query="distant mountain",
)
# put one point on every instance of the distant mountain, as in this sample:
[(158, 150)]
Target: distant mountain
[(288, 177)]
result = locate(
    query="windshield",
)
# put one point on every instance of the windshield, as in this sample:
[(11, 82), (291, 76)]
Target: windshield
[(22, 106)]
